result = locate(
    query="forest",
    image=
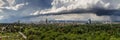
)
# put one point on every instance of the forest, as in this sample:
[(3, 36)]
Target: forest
[(60, 32)]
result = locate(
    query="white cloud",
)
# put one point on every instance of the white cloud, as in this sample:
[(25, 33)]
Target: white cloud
[(35, 13), (1, 3), (11, 4), (1, 17), (59, 6), (16, 7), (67, 5), (83, 16), (118, 7)]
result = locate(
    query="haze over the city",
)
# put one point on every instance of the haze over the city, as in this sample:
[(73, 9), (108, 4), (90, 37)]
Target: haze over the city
[(36, 10)]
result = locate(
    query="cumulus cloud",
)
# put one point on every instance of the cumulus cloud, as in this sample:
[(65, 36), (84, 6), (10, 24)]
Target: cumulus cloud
[(84, 16), (1, 3), (118, 7), (11, 5), (99, 7), (16, 7), (13, 10), (1, 17), (68, 5)]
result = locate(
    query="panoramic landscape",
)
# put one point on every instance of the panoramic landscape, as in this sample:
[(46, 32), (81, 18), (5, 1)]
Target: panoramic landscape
[(59, 19)]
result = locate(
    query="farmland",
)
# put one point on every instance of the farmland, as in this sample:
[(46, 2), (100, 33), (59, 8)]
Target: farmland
[(60, 32)]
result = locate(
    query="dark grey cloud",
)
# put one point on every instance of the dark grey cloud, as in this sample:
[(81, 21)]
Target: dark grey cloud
[(99, 12)]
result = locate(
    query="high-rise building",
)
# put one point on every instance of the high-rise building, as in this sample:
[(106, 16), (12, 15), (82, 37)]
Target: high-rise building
[(89, 21), (46, 21)]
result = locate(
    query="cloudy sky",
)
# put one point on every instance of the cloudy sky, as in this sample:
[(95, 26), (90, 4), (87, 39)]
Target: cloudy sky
[(36, 10)]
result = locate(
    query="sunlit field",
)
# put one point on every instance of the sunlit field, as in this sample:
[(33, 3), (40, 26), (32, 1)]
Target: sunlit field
[(60, 32)]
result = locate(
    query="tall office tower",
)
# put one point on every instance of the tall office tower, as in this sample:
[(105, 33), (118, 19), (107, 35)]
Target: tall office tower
[(89, 21), (46, 21)]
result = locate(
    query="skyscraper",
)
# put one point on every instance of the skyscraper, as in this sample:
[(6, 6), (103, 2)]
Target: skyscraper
[(89, 21)]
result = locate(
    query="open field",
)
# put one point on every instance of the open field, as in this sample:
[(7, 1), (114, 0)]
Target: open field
[(60, 32)]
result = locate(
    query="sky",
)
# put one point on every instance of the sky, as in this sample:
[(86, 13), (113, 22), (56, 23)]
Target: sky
[(38, 10)]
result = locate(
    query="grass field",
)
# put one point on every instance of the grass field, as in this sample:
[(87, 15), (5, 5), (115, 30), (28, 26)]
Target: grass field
[(60, 32)]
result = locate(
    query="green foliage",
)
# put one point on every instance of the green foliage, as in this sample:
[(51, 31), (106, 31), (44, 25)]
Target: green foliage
[(64, 31)]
